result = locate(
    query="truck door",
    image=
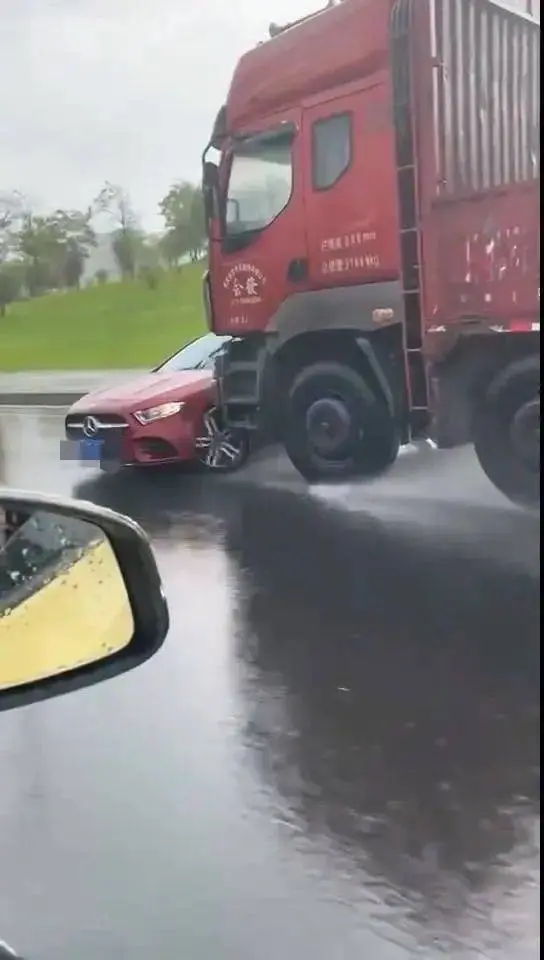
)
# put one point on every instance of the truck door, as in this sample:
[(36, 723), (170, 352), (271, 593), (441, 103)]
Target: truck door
[(351, 206), (261, 258)]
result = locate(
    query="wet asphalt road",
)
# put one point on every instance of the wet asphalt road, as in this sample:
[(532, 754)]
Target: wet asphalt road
[(335, 756)]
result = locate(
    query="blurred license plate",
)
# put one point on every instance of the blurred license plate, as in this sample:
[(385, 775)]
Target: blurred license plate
[(91, 449)]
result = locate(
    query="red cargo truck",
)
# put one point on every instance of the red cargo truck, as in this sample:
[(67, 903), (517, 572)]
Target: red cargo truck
[(374, 224)]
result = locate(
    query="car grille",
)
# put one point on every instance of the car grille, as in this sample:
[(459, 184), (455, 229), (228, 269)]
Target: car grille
[(105, 425)]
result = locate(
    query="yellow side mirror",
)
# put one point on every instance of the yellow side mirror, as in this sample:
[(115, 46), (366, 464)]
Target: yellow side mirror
[(81, 598)]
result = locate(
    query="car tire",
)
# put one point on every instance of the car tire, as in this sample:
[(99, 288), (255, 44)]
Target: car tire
[(219, 449), (367, 441), (512, 392)]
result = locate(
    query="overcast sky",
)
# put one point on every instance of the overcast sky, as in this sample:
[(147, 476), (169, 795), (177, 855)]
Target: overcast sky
[(123, 90)]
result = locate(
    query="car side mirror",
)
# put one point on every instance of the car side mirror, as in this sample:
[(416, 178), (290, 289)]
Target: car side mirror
[(81, 598)]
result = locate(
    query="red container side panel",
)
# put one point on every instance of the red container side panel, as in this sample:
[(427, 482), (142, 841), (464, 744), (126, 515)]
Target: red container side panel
[(488, 97), (480, 163)]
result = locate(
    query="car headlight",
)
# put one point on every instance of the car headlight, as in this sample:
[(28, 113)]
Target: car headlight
[(163, 410)]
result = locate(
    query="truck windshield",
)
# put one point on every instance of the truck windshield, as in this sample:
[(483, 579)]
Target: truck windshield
[(260, 183)]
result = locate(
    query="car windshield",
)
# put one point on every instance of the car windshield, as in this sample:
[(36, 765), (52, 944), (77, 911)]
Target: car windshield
[(194, 356)]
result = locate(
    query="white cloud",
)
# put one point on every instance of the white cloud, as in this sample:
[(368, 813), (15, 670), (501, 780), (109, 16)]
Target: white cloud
[(124, 90)]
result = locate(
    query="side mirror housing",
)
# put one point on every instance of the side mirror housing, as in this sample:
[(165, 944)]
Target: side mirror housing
[(210, 194), (81, 598)]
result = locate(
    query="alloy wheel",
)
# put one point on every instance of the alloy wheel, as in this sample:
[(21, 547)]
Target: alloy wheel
[(218, 448)]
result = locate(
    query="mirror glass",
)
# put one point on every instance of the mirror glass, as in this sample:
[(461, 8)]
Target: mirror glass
[(63, 601)]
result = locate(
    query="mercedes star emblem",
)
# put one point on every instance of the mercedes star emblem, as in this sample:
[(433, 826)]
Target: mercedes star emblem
[(90, 427)]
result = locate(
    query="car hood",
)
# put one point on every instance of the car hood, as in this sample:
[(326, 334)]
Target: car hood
[(146, 391)]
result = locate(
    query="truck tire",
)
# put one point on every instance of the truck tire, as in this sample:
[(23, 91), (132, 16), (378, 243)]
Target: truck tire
[(506, 432), (335, 426)]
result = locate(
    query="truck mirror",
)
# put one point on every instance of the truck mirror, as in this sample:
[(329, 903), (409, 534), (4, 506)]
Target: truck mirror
[(209, 190)]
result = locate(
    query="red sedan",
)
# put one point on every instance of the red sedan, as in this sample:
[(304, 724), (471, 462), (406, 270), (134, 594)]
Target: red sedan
[(166, 416)]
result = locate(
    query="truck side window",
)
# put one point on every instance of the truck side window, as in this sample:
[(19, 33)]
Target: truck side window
[(331, 150)]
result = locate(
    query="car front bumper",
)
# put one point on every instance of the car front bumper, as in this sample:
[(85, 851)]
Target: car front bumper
[(122, 439)]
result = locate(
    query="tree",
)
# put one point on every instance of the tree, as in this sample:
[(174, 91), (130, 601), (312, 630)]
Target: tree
[(11, 284), (37, 244), (149, 276), (172, 247), (75, 238), (149, 270), (127, 241), (11, 209), (54, 248), (150, 255), (11, 280), (11, 213), (124, 250), (183, 212), (73, 267)]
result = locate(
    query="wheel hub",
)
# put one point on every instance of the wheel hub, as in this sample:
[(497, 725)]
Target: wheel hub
[(525, 433), (329, 424), (217, 448)]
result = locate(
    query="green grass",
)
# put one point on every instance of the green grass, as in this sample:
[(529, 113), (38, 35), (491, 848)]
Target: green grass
[(119, 325)]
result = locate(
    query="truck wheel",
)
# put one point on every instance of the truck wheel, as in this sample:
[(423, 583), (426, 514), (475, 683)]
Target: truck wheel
[(335, 427), (506, 431)]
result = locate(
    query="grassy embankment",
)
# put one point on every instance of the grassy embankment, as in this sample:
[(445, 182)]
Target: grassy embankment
[(116, 326)]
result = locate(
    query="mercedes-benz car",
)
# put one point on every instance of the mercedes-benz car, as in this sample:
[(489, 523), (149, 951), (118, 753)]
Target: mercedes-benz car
[(165, 416)]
